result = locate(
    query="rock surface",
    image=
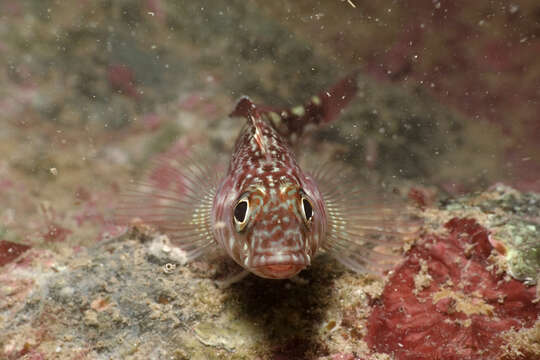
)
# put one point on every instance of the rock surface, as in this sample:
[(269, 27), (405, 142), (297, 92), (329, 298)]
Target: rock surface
[(126, 298)]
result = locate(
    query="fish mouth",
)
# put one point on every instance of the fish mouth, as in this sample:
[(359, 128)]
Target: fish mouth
[(279, 266)]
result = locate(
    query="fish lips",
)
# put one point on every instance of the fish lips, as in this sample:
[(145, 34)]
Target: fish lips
[(279, 266)]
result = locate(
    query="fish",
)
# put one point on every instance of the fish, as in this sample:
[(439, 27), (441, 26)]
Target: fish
[(269, 215)]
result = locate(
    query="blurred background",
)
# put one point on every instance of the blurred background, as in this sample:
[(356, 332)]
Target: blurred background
[(92, 90)]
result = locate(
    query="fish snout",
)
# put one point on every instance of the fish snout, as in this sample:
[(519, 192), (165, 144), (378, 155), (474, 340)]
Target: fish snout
[(278, 271), (281, 265)]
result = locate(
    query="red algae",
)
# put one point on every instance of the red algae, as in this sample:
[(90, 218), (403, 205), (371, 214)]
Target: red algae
[(55, 233), (461, 306), (122, 78), (9, 251), (418, 197)]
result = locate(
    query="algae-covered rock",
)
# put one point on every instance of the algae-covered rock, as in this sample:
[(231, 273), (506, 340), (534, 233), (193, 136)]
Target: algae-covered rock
[(513, 220), (133, 297), (454, 285)]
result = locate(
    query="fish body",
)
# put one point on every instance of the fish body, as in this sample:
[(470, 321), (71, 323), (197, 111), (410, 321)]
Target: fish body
[(278, 217), (267, 213)]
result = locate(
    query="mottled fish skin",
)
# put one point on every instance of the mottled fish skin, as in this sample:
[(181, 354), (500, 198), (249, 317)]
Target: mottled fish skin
[(285, 215), (276, 238)]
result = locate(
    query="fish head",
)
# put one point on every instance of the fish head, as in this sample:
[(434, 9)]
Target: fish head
[(275, 228)]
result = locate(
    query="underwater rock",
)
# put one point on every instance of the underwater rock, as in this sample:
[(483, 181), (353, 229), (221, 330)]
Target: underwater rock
[(400, 131), (132, 296), (513, 221), (462, 308), (9, 251), (452, 297)]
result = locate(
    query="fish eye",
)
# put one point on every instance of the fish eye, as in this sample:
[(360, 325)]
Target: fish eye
[(307, 210), (240, 214)]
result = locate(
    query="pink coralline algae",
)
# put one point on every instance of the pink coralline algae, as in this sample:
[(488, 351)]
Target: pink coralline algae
[(448, 301), (9, 251), (55, 233), (122, 79)]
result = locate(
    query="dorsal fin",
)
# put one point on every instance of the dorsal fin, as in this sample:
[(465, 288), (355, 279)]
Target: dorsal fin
[(258, 135), (247, 109), (320, 109), (244, 108), (291, 123)]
